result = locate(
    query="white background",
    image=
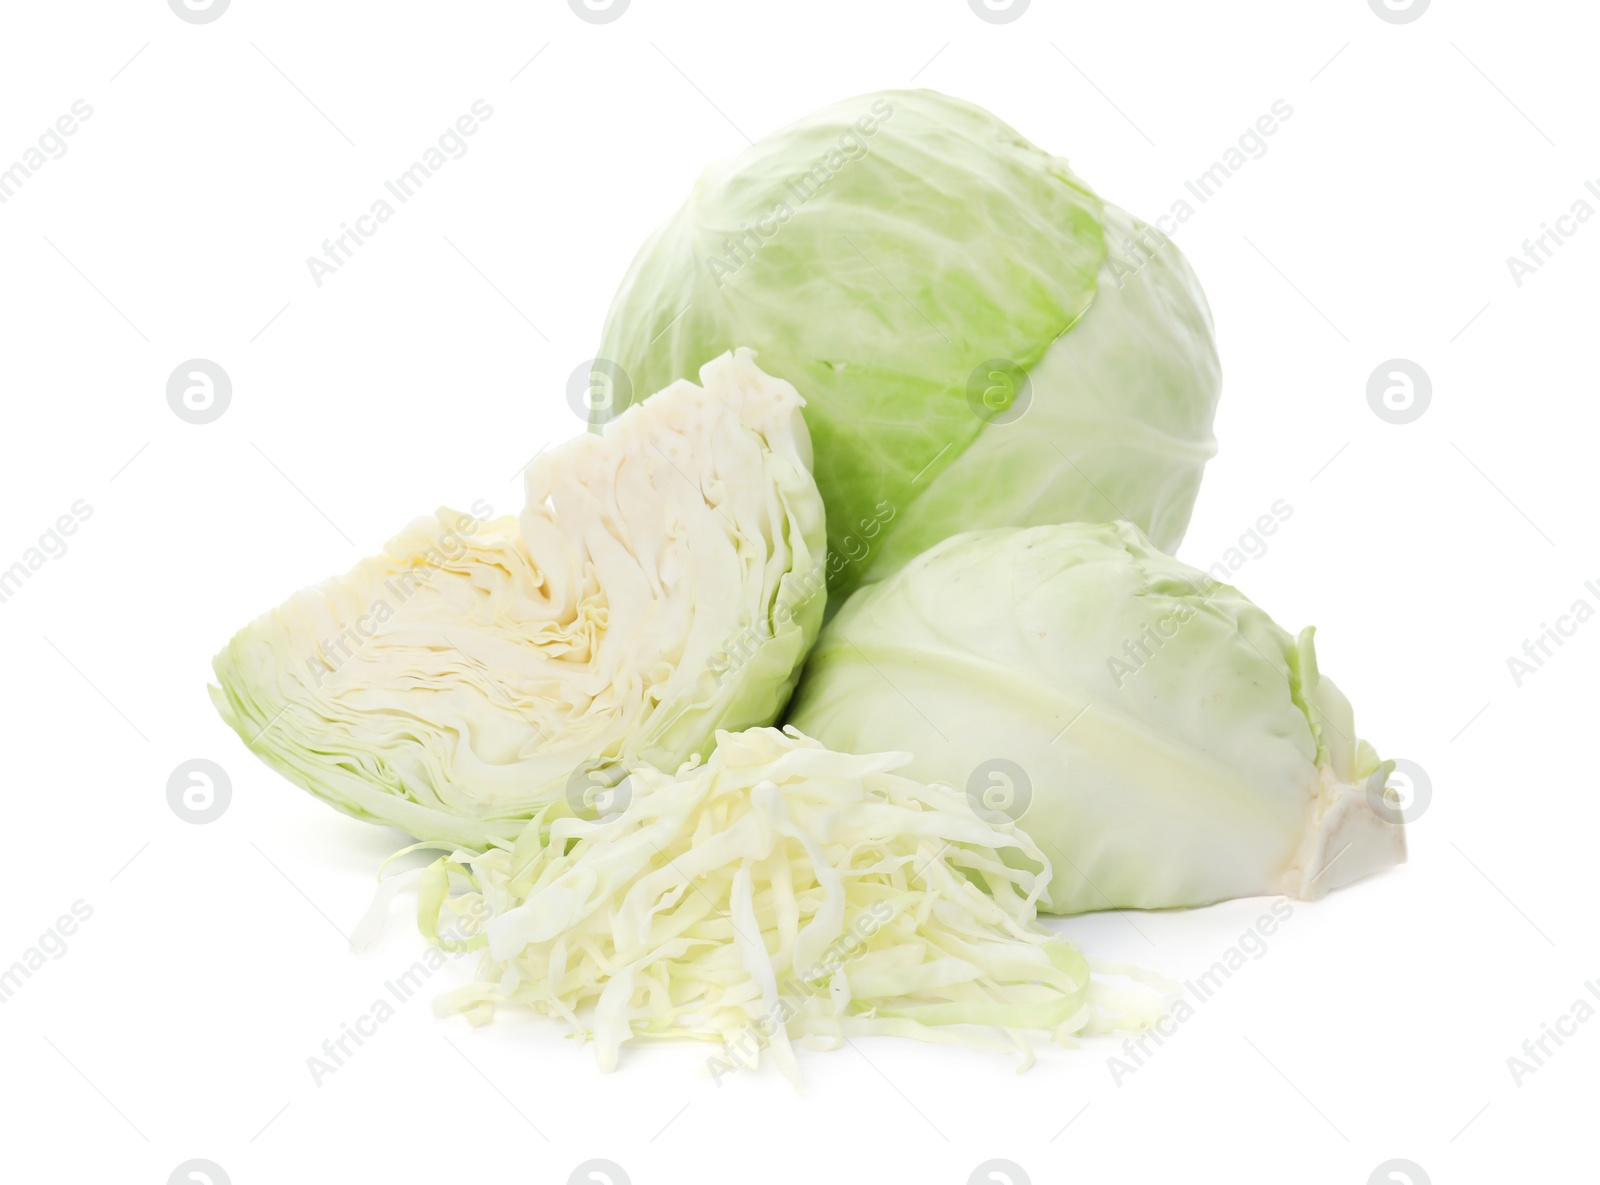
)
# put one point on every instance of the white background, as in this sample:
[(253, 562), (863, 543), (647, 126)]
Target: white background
[(178, 1023)]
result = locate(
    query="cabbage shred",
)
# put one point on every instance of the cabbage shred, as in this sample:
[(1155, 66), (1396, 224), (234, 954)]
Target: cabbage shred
[(778, 893)]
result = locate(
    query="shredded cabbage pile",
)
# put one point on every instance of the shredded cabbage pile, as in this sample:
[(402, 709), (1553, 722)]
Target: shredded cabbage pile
[(778, 892)]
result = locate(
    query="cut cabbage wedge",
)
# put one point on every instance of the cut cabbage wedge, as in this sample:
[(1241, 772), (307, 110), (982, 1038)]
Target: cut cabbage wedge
[(664, 581)]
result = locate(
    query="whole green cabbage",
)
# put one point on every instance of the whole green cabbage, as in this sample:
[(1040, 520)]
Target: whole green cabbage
[(1159, 737), (663, 582), (941, 290)]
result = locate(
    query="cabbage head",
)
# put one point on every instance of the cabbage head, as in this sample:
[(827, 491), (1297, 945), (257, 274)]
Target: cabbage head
[(982, 341), (1159, 737), (664, 581)]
